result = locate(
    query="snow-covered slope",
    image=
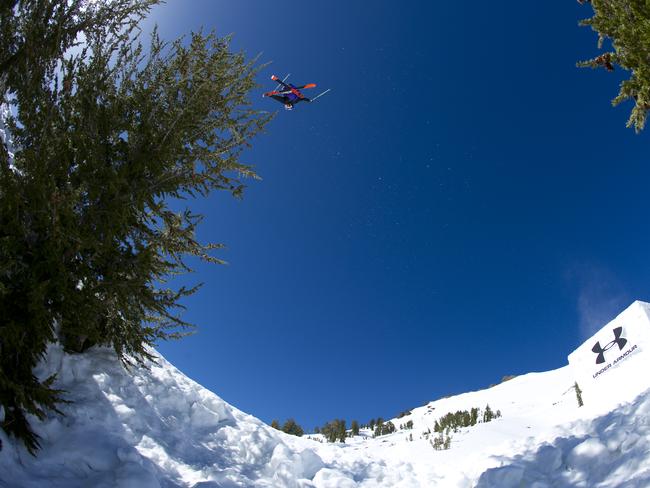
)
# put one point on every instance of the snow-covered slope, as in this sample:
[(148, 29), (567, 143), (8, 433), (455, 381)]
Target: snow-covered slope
[(148, 428), (157, 428)]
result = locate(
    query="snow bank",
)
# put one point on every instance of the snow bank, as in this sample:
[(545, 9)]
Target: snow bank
[(5, 137), (148, 428), (614, 452), (154, 427)]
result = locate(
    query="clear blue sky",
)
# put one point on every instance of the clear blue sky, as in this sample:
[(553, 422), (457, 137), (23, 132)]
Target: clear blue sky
[(463, 205)]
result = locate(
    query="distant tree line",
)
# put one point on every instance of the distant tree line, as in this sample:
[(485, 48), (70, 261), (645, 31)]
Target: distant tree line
[(382, 428), (333, 431), (464, 418), (290, 426), (336, 430)]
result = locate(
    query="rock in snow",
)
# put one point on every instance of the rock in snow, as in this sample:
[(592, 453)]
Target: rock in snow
[(154, 427)]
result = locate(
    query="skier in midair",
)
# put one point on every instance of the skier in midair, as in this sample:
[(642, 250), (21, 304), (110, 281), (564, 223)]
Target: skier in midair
[(290, 94)]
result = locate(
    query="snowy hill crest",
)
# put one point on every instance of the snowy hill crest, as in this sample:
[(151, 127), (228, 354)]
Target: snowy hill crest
[(157, 428)]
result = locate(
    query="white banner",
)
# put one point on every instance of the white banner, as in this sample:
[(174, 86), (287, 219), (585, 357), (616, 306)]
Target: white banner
[(612, 366)]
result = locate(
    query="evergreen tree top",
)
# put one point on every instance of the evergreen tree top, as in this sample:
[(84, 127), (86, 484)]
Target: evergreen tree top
[(624, 25)]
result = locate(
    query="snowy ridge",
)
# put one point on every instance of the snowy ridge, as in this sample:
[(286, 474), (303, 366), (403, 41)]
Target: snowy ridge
[(157, 428), (150, 428)]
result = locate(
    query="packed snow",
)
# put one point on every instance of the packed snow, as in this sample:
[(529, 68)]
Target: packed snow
[(5, 136), (154, 427)]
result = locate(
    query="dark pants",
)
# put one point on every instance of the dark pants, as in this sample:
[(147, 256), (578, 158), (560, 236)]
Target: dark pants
[(289, 99)]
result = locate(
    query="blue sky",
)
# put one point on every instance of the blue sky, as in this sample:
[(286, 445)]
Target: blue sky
[(465, 204)]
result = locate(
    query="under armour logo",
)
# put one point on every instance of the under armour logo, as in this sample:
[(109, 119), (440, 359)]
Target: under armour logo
[(618, 340)]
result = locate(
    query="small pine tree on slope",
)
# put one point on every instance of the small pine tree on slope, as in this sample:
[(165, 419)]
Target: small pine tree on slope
[(578, 394)]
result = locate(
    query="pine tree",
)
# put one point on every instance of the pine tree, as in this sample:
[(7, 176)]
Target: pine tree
[(382, 428), (102, 139), (342, 430), (275, 424), (438, 442), (292, 427), (488, 414), (447, 443), (334, 430), (473, 416), (379, 428), (354, 425), (626, 23), (578, 394)]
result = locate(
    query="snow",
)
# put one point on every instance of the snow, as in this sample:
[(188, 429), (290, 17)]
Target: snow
[(613, 451), (154, 427), (5, 136)]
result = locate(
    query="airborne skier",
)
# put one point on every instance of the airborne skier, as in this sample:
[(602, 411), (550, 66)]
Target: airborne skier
[(290, 94)]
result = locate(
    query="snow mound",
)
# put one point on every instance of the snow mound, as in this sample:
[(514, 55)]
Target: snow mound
[(614, 452), (148, 428), (152, 427)]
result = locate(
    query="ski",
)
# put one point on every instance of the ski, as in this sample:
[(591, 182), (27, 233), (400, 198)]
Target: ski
[(274, 78), (284, 92), (275, 92), (291, 89)]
